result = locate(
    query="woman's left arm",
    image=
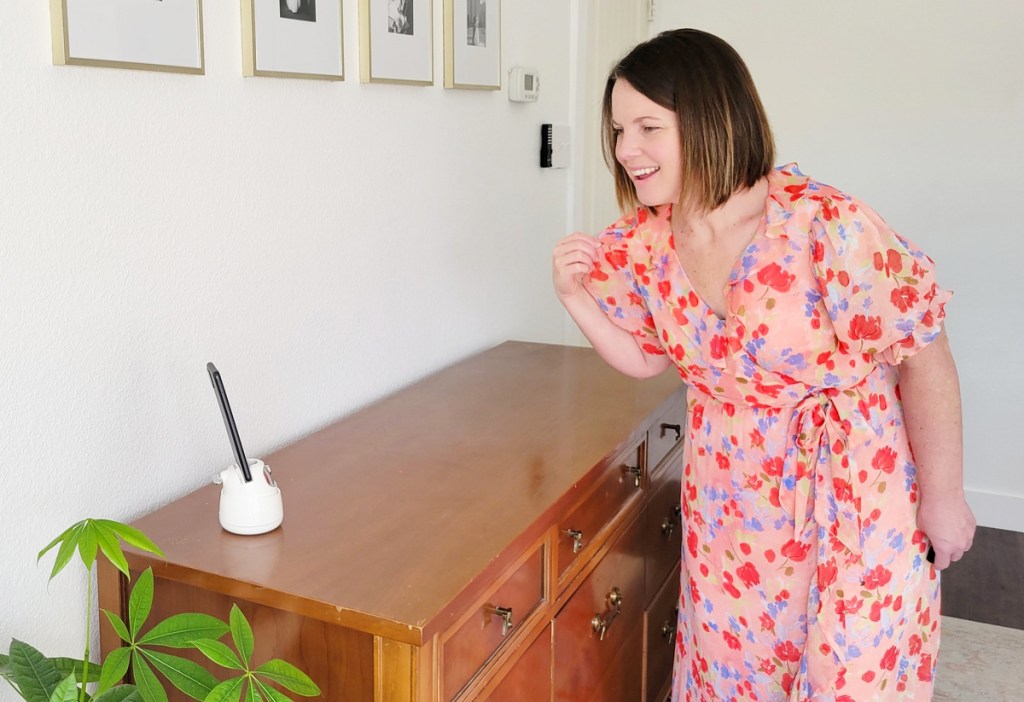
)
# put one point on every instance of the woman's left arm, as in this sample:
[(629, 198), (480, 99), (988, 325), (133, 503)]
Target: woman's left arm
[(930, 392)]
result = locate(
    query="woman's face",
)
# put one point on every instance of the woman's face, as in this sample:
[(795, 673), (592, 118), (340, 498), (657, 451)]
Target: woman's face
[(647, 145)]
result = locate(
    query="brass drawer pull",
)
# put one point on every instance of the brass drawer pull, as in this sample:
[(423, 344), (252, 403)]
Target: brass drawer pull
[(636, 471), (677, 428), (577, 539), (602, 622), (506, 617), (669, 523), (668, 629)]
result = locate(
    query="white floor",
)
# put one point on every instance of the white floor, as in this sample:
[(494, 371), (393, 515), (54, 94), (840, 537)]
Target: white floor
[(979, 663)]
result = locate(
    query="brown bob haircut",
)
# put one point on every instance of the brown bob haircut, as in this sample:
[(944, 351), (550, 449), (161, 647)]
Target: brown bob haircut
[(726, 142)]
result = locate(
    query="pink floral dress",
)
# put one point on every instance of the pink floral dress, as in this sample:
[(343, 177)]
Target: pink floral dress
[(804, 574)]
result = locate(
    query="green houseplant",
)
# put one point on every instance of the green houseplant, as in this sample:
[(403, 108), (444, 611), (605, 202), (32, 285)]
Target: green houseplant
[(38, 678)]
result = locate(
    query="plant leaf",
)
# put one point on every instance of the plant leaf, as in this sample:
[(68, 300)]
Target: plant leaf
[(140, 602), (146, 681), (114, 668), (119, 627), (251, 694), (227, 691), (5, 665), (87, 544), (191, 678), (218, 653), (271, 693), (68, 541), (132, 536), (288, 676), (180, 630), (66, 690), (68, 666), (35, 675), (110, 545), (63, 535), (241, 634), (121, 693)]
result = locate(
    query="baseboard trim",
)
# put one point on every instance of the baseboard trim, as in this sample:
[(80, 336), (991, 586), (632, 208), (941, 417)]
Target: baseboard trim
[(997, 510)]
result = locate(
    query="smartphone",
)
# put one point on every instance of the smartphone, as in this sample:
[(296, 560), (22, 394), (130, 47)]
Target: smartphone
[(229, 420)]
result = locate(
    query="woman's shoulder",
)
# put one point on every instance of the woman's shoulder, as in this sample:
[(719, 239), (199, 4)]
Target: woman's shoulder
[(797, 201)]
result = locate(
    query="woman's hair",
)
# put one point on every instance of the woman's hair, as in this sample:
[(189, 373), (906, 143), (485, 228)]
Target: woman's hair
[(726, 142)]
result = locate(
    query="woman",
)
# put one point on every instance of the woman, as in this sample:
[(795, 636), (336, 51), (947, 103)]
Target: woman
[(791, 310)]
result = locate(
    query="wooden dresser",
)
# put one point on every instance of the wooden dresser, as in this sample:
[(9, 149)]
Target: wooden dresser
[(506, 529)]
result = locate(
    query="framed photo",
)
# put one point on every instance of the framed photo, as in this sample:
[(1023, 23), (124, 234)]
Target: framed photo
[(472, 44), (396, 41), (292, 39), (155, 35)]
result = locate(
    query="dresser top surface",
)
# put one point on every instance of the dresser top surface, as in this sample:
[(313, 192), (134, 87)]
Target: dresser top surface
[(390, 512)]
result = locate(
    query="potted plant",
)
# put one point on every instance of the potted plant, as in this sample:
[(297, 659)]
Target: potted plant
[(38, 678)]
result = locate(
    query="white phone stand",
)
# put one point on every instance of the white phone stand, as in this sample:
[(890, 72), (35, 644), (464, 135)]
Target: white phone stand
[(252, 507)]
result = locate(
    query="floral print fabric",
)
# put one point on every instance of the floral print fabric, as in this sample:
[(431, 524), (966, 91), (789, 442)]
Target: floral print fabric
[(804, 574)]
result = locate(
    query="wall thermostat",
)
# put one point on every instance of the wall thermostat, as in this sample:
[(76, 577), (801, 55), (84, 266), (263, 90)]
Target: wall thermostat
[(523, 84)]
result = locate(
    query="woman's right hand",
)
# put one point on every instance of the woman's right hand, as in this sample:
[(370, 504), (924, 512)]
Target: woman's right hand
[(573, 257)]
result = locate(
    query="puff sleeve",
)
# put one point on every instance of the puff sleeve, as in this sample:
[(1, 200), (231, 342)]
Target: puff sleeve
[(613, 283), (878, 287)]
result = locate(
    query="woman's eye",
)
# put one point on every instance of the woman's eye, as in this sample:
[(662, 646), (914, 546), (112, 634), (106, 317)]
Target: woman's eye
[(648, 129)]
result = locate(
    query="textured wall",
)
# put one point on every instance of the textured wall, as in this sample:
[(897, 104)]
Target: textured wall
[(323, 243)]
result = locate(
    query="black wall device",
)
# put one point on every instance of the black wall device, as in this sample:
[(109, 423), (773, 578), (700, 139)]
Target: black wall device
[(546, 145)]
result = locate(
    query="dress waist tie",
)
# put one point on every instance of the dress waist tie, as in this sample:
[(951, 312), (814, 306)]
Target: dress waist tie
[(823, 470)]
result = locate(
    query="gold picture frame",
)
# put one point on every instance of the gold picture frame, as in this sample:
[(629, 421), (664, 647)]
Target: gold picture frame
[(293, 39), (472, 44), (396, 43), (152, 36)]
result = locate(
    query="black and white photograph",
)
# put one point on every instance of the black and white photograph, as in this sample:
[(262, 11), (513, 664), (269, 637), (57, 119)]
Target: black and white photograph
[(400, 17), (396, 42), (476, 23), (293, 39), (299, 10), (472, 44)]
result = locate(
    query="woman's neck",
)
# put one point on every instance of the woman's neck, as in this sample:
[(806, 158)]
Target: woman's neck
[(742, 211)]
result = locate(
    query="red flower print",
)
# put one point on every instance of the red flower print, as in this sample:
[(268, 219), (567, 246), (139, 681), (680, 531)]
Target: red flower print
[(786, 651), (877, 577), (719, 346), (867, 328), (915, 645), (773, 466), (754, 482), (817, 251), (827, 573), (924, 668), (731, 640), (795, 550), (889, 658), (597, 274), (893, 261), (884, 460), (767, 667), (691, 542), (617, 258), (843, 490), (787, 683), (843, 278), (698, 416), (773, 276), (641, 272), (748, 575), (722, 460), (904, 297), (767, 623), (664, 288), (796, 191)]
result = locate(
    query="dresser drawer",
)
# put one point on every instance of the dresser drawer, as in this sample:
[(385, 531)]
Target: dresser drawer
[(667, 430), (483, 630), (660, 631), (620, 481), (599, 630), (529, 680), (663, 522)]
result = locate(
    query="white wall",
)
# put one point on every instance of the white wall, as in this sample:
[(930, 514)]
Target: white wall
[(323, 243), (917, 107)]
